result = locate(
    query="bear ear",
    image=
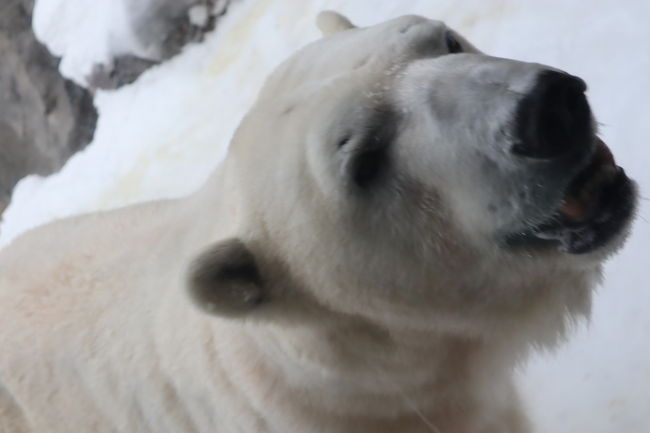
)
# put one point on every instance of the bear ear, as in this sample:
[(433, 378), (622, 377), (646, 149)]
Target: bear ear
[(225, 280), (330, 22)]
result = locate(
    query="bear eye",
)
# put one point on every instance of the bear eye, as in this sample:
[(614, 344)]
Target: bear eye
[(368, 165), (343, 141), (364, 155), (369, 161), (453, 45)]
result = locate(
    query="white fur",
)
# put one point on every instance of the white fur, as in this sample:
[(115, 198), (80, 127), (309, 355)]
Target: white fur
[(391, 311)]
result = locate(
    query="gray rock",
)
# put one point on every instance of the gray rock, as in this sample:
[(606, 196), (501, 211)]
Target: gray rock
[(124, 70), (44, 118)]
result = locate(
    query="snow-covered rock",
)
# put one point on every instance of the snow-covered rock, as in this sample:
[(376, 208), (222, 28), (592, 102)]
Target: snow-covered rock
[(89, 35)]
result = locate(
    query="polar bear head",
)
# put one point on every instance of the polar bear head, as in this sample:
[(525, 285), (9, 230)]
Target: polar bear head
[(398, 174)]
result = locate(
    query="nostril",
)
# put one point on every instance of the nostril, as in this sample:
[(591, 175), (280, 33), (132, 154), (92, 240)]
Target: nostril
[(554, 118)]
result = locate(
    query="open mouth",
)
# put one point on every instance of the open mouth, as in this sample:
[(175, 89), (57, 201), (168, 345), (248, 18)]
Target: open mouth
[(595, 208)]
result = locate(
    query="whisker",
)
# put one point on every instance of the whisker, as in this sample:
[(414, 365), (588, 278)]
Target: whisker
[(407, 400)]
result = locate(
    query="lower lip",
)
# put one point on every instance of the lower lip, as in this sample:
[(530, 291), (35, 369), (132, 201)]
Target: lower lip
[(614, 210)]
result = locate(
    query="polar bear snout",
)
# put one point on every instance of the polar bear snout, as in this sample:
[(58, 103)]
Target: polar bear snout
[(554, 119)]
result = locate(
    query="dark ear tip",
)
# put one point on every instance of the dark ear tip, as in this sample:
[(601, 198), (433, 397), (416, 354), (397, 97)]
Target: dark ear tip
[(225, 279)]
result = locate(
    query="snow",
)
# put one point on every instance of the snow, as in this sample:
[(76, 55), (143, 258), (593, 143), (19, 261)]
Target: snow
[(162, 136), (199, 15)]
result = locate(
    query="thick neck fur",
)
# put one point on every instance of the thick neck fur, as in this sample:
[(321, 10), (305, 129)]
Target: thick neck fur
[(339, 373), (349, 376)]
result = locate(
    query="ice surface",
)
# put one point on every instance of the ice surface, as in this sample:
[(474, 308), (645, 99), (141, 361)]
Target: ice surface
[(163, 135)]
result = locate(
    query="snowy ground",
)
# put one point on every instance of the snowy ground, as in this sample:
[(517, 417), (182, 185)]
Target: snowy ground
[(163, 135)]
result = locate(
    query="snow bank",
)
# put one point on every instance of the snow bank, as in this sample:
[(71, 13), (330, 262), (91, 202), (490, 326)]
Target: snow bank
[(163, 135)]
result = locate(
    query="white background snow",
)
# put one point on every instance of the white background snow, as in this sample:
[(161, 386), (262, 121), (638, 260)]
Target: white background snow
[(161, 137)]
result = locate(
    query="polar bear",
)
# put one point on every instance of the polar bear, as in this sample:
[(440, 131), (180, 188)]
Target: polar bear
[(400, 218)]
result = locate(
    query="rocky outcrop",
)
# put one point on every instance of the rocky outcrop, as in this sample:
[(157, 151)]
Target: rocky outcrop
[(44, 118), (166, 27)]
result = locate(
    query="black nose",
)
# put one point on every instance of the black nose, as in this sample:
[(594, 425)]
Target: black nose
[(553, 119)]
